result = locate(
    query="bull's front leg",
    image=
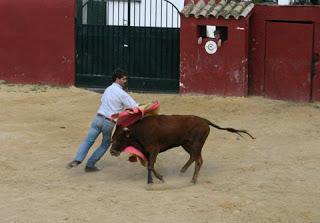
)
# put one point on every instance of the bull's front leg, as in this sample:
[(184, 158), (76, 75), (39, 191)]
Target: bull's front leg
[(150, 180), (151, 160)]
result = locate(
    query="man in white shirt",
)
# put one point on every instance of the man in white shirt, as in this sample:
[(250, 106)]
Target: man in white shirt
[(114, 100)]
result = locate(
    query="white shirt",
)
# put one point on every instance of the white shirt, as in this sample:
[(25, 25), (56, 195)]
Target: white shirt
[(115, 100)]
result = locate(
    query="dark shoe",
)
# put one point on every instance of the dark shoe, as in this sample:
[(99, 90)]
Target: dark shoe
[(73, 163), (91, 169)]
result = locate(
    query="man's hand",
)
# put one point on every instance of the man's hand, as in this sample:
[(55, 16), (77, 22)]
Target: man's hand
[(129, 111)]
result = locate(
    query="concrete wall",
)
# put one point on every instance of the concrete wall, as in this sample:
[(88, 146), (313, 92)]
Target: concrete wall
[(37, 41), (223, 73), (257, 43)]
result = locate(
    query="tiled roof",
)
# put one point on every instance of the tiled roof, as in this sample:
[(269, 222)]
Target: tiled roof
[(225, 8)]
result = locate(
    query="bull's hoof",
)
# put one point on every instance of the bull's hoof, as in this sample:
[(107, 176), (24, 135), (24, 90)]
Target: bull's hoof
[(160, 178), (182, 171), (149, 186), (193, 181), (150, 182)]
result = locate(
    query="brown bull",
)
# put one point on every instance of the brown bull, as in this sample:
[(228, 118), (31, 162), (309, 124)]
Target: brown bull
[(155, 134)]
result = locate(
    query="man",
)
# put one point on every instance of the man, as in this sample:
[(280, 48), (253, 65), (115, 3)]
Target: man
[(217, 36), (114, 100)]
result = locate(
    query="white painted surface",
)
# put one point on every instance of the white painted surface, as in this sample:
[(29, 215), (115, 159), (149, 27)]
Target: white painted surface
[(143, 13), (283, 2)]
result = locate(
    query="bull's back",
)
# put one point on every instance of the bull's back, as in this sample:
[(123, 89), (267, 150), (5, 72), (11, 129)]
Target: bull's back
[(172, 130)]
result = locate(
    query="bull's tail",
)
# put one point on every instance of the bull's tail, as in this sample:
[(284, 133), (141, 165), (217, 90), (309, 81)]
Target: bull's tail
[(231, 130)]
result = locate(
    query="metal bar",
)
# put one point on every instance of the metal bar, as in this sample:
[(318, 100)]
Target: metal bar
[(145, 34), (99, 56), (104, 54), (139, 14), (124, 41), (113, 13), (79, 49), (155, 37), (87, 50), (129, 37), (129, 12), (113, 28), (101, 49), (104, 40), (161, 39), (178, 19), (84, 4), (95, 40), (79, 54), (107, 13), (167, 57), (83, 48), (150, 38), (134, 39), (118, 32), (118, 3), (172, 5), (98, 45), (140, 45), (150, 7), (93, 49), (172, 43)]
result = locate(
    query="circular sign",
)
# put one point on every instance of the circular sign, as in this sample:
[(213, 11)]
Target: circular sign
[(211, 47)]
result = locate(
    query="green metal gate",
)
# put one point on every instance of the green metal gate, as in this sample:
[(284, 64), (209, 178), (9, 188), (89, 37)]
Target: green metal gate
[(140, 36)]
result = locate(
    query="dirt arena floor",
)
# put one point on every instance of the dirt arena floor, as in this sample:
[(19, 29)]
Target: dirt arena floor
[(274, 178)]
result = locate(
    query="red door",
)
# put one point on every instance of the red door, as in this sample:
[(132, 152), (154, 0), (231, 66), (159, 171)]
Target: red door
[(288, 61)]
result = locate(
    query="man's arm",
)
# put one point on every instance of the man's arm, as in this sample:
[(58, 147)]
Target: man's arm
[(128, 101)]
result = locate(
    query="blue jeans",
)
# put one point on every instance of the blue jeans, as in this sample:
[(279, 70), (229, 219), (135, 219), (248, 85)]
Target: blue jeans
[(98, 125)]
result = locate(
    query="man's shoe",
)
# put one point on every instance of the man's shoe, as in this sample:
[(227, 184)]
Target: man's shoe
[(91, 169), (73, 163)]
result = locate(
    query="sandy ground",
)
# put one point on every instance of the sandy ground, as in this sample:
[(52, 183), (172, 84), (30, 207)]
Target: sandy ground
[(274, 178)]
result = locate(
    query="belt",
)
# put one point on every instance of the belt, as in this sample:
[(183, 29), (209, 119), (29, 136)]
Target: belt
[(109, 119)]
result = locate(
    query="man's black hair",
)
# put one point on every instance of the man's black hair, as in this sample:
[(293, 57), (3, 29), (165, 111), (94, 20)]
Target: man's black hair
[(217, 32), (119, 73)]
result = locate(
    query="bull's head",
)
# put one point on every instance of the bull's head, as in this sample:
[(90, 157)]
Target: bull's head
[(120, 140)]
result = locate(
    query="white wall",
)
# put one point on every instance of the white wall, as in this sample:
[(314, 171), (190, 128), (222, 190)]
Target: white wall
[(178, 4), (143, 13)]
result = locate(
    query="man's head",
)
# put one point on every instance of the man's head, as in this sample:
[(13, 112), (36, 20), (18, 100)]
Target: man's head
[(217, 34), (120, 77)]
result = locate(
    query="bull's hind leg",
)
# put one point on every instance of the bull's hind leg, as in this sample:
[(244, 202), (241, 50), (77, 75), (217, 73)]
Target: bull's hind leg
[(197, 147), (157, 175), (188, 163), (188, 147), (199, 162)]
